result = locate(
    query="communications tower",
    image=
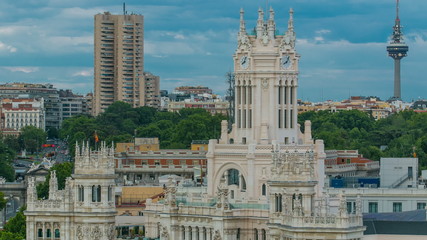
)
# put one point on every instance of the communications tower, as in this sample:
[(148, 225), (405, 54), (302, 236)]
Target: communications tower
[(397, 49)]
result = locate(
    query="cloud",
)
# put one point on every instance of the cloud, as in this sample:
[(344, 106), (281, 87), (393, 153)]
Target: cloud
[(22, 69), (323, 31), (7, 48), (83, 73)]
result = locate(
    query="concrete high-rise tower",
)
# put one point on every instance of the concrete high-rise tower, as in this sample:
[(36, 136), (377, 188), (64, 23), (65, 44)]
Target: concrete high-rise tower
[(119, 65), (397, 50)]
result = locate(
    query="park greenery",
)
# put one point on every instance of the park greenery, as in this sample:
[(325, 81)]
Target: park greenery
[(403, 134), (121, 123)]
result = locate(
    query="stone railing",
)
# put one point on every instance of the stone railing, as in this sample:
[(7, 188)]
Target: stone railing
[(369, 166), (341, 168), (163, 168), (49, 206), (330, 221), (160, 153)]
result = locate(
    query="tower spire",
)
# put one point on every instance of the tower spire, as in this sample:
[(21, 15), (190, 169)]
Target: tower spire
[(291, 20), (242, 21)]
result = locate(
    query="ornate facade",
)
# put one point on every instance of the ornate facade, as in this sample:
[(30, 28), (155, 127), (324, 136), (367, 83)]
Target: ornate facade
[(265, 177), (84, 209)]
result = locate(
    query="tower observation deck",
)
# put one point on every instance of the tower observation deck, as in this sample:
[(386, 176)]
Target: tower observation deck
[(397, 49)]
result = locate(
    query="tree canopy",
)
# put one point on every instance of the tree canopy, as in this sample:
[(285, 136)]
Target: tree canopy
[(400, 135), (121, 123), (15, 228)]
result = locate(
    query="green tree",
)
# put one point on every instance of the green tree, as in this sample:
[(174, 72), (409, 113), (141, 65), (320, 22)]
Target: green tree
[(32, 138), (7, 156), (63, 170), (16, 226), (2, 201)]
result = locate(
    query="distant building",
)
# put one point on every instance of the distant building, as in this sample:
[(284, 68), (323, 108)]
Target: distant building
[(212, 106), (17, 113), (73, 104), (146, 167), (139, 144), (399, 172), (119, 60), (349, 163), (193, 90), (49, 94), (152, 90)]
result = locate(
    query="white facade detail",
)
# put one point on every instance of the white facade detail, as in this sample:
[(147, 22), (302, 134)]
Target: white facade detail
[(265, 177), (84, 209)]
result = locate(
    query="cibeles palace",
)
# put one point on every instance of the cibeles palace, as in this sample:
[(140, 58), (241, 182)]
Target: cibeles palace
[(265, 177)]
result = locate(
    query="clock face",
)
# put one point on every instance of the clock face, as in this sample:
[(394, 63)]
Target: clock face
[(286, 62), (244, 62)]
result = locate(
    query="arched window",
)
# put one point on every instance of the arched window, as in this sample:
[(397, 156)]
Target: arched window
[(197, 233), (81, 193), (238, 234), (57, 233), (40, 233), (264, 189), (48, 233), (233, 177), (264, 235), (243, 183), (110, 193), (96, 193), (183, 232), (256, 234)]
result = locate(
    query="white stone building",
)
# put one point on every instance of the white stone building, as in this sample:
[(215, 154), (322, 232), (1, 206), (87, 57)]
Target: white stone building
[(399, 172), (85, 209), (265, 177), (21, 112)]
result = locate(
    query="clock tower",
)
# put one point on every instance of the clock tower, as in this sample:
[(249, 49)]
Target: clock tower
[(266, 78)]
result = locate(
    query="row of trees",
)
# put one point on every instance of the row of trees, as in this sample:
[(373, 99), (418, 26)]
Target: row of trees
[(30, 139), (121, 123), (400, 135)]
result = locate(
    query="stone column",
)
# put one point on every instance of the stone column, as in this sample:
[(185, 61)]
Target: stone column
[(288, 108)]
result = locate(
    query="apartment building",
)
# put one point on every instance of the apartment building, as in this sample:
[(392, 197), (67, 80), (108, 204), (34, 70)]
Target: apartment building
[(119, 62)]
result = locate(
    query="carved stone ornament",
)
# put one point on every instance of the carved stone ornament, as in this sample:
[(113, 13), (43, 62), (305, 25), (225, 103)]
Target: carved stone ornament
[(164, 233), (110, 232), (243, 42), (79, 232), (264, 83), (217, 235), (96, 233)]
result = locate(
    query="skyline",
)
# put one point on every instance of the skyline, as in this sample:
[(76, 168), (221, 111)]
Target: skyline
[(342, 44)]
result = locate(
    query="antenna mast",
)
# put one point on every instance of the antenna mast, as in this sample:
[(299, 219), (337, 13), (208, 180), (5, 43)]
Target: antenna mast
[(124, 8)]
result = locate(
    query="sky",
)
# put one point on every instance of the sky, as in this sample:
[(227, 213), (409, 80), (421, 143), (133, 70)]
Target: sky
[(342, 43)]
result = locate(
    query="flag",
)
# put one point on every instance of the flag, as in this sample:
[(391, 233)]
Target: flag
[(95, 136)]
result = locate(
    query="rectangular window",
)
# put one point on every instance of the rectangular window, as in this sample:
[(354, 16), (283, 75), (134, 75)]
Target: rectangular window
[(279, 95), (280, 119), (397, 207), (285, 118), (373, 207), (291, 119), (351, 207), (292, 95), (238, 118), (244, 118), (285, 95), (250, 118), (421, 205)]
